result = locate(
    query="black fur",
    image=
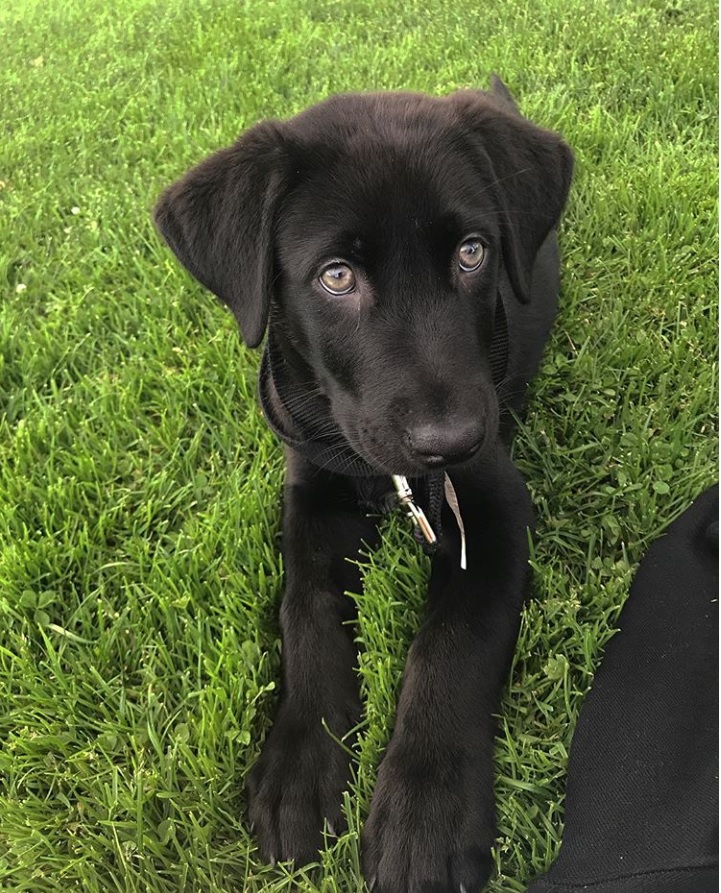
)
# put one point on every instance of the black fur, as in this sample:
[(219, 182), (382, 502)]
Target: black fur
[(391, 185)]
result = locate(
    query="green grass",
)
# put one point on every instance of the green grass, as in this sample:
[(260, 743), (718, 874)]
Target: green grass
[(139, 568)]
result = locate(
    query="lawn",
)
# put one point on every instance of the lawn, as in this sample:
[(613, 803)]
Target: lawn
[(139, 485)]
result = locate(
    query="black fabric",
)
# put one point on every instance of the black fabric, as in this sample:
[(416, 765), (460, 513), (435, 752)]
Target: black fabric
[(642, 790), (430, 493)]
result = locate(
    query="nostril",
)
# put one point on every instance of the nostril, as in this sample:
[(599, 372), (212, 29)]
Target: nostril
[(437, 444)]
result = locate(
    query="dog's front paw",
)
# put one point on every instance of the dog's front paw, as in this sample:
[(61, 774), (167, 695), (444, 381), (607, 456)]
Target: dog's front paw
[(430, 826), (296, 787)]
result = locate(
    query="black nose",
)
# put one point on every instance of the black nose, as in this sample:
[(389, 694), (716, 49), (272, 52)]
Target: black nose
[(436, 444)]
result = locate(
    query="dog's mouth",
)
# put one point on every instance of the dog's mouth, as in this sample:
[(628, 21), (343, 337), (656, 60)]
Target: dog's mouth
[(418, 451)]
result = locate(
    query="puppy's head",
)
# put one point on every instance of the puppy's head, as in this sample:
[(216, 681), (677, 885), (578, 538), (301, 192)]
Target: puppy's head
[(372, 230)]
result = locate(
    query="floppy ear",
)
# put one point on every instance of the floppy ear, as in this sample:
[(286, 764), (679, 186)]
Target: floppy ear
[(531, 170), (218, 219)]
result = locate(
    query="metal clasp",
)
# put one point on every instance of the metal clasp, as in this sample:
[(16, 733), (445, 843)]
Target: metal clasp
[(415, 513)]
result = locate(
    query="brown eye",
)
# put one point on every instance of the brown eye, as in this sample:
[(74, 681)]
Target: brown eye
[(338, 279), (471, 254)]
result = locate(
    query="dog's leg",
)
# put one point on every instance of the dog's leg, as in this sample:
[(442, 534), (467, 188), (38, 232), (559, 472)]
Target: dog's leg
[(298, 781), (431, 824)]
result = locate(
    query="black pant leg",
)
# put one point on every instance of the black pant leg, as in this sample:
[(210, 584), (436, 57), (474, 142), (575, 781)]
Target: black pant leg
[(642, 789)]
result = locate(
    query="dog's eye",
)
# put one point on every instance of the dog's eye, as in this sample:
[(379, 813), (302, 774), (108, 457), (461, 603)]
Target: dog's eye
[(338, 279), (471, 254)]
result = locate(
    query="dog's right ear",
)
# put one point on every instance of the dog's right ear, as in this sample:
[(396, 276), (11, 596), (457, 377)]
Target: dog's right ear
[(219, 218), (531, 170), (503, 95)]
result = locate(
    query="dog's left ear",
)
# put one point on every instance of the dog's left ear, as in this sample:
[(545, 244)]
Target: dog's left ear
[(531, 170), (219, 217)]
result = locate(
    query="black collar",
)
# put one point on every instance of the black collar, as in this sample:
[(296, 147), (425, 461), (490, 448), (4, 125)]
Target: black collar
[(307, 424)]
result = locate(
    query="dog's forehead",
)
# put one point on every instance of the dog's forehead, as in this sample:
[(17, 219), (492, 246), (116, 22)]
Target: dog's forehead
[(372, 162), (378, 134)]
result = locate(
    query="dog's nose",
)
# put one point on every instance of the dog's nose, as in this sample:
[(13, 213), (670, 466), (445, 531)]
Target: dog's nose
[(444, 444)]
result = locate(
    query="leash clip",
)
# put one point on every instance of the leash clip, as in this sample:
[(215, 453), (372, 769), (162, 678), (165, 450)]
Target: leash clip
[(414, 512)]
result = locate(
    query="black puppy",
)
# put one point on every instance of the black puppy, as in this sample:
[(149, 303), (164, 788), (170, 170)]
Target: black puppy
[(401, 251)]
